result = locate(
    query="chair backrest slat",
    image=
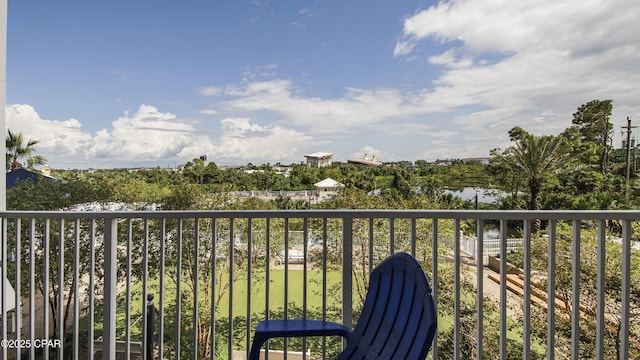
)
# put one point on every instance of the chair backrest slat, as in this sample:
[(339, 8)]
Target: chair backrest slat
[(398, 320)]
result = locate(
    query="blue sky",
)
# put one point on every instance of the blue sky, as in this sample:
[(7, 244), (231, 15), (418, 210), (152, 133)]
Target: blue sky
[(157, 83)]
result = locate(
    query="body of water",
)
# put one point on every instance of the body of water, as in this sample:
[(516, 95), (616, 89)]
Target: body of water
[(485, 196)]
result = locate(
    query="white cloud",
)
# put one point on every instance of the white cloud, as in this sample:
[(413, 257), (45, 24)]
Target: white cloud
[(244, 141), (527, 63), (404, 47), (65, 138), (147, 135), (451, 59), (357, 109), (150, 137), (210, 91)]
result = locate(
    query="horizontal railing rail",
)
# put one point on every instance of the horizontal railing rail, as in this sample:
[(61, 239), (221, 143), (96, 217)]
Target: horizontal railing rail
[(76, 284)]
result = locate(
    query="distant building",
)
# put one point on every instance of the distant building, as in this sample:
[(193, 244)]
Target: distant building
[(327, 188), (15, 177), (365, 161), (319, 159)]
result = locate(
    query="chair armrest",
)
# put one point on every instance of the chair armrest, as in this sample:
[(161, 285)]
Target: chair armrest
[(293, 328)]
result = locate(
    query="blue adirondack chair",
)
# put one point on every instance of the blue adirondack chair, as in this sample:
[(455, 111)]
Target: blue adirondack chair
[(398, 320)]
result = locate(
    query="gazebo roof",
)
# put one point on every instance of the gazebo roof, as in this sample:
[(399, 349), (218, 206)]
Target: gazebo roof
[(328, 182)]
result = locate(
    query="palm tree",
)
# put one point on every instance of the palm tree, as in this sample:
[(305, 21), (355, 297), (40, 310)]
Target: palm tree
[(18, 152), (535, 158)]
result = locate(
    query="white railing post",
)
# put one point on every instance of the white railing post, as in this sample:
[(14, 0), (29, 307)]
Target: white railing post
[(551, 291), (3, 290), (479, 287), (456, 289), (626, 291), (601, 287), (434, 281), (347, 272), (110, 281)]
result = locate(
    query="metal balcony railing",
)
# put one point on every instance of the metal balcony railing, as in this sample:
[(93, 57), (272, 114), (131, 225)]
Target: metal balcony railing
[(79, 284)]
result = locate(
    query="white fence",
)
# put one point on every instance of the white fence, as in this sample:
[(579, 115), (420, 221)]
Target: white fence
[(490, 247)]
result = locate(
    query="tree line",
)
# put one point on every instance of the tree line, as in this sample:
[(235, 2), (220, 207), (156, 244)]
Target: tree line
[(576, 169)]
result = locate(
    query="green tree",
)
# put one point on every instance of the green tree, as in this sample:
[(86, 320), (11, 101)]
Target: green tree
[(48, 195), (303, 177), (592, 119), (200, 173), (20, 152), (286, 203), (402, 182), (59, 235), (183, 196), (535, 158), (363, 180)]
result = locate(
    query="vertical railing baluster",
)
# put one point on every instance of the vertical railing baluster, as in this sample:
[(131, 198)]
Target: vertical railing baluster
[(145, 291), (480, 288), (503, 289), (286, 272), (231, 275), (575, 292), (526, 324), (414, 237), (267, 277), (551, 291), (149, 324), (600, 290), (61, 286), (324, 283), (178, 323), (163, 241), (214, 260), (249, 276), (286, 279), (456, 290), (347, 272), (625, 331), (434, 282), (392, 233), (305, 275), (110, 283), (76, 296), (305, 239), (17, 311), (3, 278), (371, 244), (127, 319), (92, 284), (32, 286), (45, 284), (196, 272)]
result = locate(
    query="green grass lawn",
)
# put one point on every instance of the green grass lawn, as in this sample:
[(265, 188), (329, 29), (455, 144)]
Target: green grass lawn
[(295, 296)]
